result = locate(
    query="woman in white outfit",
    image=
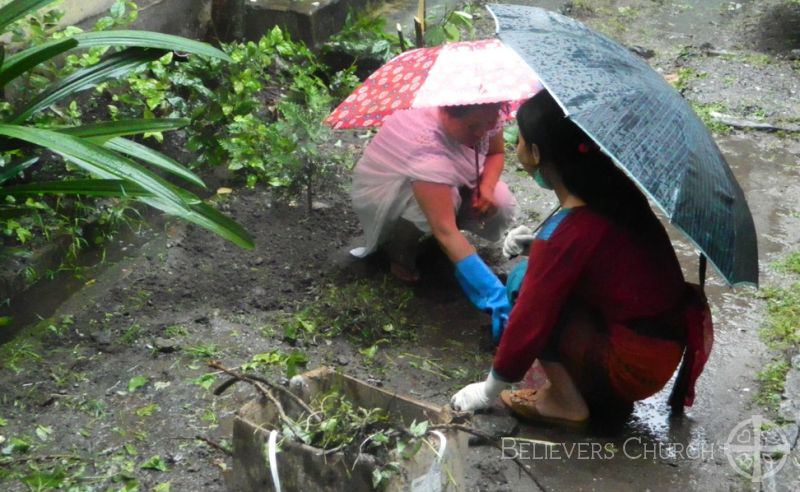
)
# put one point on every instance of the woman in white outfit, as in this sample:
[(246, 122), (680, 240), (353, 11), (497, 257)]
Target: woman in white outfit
[(437, 171)]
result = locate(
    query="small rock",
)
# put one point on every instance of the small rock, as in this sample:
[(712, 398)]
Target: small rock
[(315, 205), (794, 54), (342, 360), (165, 345), (645, 53), (496, 424), (101, 338)]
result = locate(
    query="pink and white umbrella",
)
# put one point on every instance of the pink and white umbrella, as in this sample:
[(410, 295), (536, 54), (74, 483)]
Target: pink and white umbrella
[(453, 74)]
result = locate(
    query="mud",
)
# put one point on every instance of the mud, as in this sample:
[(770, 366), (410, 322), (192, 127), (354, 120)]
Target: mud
[(148, 313)]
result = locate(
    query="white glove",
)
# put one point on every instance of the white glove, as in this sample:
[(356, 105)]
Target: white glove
[(516, 241), (477, 396)]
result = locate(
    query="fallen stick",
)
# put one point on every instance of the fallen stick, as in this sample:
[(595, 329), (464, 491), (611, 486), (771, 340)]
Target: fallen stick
[(214, 445), (236, 377), (753, 125)]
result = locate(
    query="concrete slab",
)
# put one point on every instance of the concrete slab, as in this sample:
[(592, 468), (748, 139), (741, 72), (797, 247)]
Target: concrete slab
[(310, 21)]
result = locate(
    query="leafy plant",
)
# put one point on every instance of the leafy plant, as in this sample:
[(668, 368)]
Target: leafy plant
[(772, 381), (203, 351), (454, 25), (156, 463), (137, 382), (364, 36), (337, 424), (296, 160), (291, 362), (102, 161)]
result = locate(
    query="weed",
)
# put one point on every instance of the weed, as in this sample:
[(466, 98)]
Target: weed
[(58, 329), (790, 264), (363, 310), (209, 417), (756, 59), (772, 380), (704, 111), (684, 76), (205, 381), (175, 331), (363, 37), (147, 410), (289, 362), (17, 352), (139, 299), (781, 332), (131, 334), (95, 408), (155, 463), (583, 7), (137, 382), (454, 25), (782, 328), (208, 351)]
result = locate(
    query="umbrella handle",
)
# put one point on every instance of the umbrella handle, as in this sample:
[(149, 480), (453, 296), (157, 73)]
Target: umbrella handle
[(701, 273)]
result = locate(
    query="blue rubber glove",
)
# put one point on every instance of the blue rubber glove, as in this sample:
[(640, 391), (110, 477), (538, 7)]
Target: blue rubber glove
[(485, 291)]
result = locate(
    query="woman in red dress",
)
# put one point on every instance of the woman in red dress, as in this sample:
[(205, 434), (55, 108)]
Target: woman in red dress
[(603, 304)]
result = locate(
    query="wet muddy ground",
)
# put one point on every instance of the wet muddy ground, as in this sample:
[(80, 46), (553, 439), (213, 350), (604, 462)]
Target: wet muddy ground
[(179, 296)]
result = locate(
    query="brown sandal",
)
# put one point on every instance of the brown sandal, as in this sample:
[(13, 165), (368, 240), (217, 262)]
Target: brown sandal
[(522, 403)]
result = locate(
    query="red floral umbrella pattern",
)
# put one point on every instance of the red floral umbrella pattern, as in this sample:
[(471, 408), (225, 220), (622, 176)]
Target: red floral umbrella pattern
[(471, 72)]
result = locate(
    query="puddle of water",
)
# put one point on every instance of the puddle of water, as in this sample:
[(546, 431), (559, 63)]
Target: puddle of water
[(767, 177)]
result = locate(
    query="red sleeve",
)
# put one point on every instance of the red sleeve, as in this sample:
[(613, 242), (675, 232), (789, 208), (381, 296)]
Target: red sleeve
[(554, 267)]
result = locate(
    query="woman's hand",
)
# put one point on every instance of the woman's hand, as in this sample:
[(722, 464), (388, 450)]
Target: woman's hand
[(483, 199), (478, 396)]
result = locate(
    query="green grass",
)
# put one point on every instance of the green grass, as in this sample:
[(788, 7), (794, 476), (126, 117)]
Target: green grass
[(704, 112), (781, 332), (789, 264), (772, 380), (203, 351), (363, 311)]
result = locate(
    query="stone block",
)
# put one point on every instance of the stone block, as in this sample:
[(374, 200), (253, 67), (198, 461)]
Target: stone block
[(302, 467), (310, 21)]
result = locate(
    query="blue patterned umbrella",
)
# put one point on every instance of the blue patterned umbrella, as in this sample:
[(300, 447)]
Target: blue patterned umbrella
[(645, 125)]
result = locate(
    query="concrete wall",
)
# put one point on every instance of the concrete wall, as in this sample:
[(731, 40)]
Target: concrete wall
[(182, 17)]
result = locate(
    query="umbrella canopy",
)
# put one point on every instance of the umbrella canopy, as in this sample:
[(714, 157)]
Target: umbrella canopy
[(469, 72), (645, 126)]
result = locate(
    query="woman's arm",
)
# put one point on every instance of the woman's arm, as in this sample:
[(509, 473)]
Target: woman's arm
[(436, 202), (492, 169)]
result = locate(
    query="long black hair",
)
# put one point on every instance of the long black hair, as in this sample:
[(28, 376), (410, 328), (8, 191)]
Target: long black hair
[(583, 168)]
